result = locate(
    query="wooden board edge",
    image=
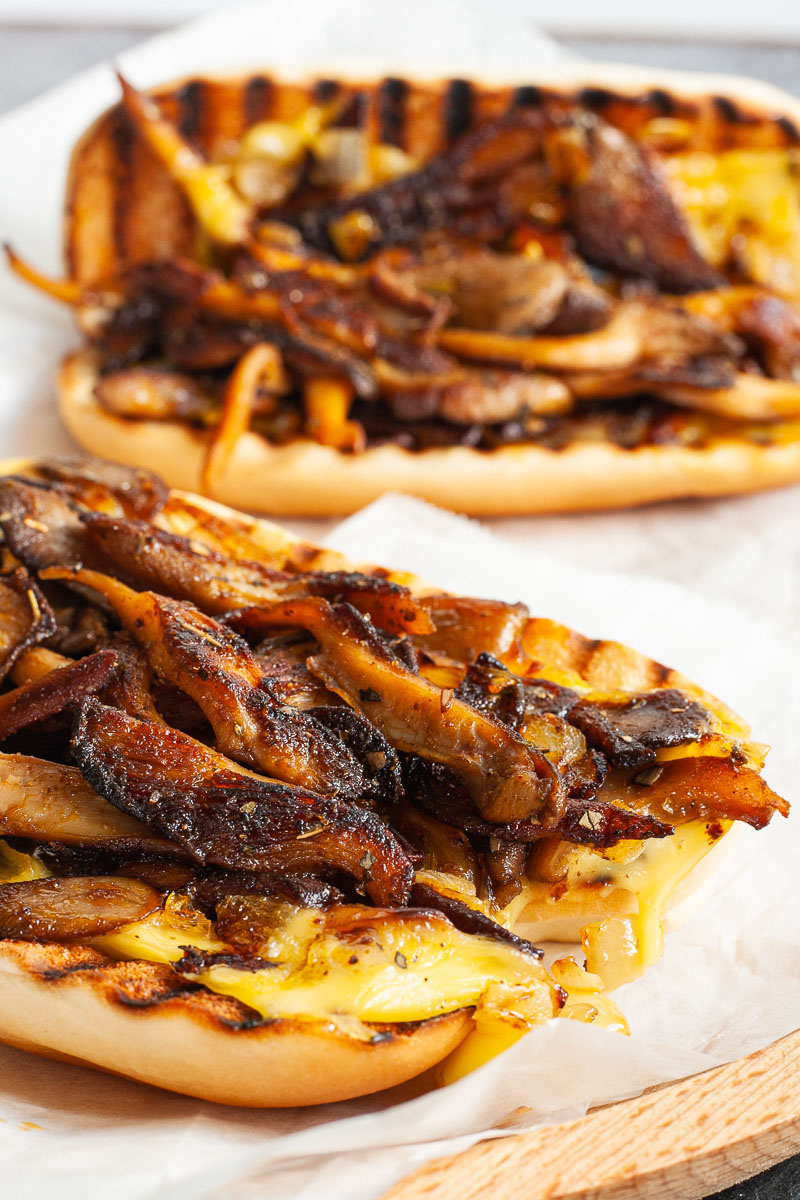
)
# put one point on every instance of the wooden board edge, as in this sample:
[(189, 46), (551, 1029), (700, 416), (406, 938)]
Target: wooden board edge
[(680, 1142)]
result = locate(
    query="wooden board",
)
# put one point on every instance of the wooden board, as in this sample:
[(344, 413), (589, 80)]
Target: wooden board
[(681, 1142)]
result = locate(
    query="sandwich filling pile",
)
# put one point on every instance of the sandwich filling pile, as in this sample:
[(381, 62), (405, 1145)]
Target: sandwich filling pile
[(546, 276), (332, 795)]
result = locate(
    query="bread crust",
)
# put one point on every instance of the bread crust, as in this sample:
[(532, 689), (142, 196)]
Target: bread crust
[(308, 479)]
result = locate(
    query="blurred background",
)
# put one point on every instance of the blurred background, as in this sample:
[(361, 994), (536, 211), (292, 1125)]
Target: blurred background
[(43, 42)]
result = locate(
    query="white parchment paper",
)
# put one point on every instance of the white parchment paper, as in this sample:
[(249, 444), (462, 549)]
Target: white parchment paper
[(729, 982)]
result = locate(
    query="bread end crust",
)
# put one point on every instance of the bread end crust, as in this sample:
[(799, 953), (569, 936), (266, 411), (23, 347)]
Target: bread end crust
[(306, 479)]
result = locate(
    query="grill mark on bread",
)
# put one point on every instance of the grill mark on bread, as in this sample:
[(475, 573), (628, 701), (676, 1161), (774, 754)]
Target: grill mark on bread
[(596, 98), (391, 105), (122, 137), (134, 984), (457, 110), (257, 99), (728, 110), (192, 101), (326, 91), (661, 101), (789, 127), (357, 113), (528, 96)]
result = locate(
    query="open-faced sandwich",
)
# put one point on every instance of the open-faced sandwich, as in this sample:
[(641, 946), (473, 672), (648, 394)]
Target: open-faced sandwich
[(280, 831), (296, 296)]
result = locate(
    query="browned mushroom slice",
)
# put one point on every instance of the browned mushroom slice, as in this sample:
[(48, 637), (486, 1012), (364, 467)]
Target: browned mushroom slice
[(129, 688), (224, 891), (141, 493), (214, 666), (774, 325), (217, 583), (644, 336), (42, 528), (489, 397), (229, 818), (491, 688), (53, 693), (283, 661), (35, 663), (469, 920), (25, 618), (464, 626), (748, 398), (167, 872), (82, 628), (64, 910), (697, 787), (156, 394), (630, 731), (585, 307), (507, 778), (587, 821), (624, 217), (510, 293), (382, 776), (505, 863), (443, 847), (49, 802), (430, 198)]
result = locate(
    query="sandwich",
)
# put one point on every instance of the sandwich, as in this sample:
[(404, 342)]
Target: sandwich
[(297, 295), (279, 829)]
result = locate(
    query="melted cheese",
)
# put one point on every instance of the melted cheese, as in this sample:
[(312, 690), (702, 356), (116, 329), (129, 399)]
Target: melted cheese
[(744, 204), (586, 997), (585, 1001), (157, 939), (394, 971), (620, 949)]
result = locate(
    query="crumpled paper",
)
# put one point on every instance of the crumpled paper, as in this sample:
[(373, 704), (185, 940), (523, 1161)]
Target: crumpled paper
[(729, 982)]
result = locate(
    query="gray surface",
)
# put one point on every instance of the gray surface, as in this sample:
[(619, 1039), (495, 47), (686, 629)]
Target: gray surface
[(34, 59), (777, 64)]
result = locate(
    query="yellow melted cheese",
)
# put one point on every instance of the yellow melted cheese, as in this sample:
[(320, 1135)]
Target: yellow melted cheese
[(744, 204), (394, 971), (620, 949)]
